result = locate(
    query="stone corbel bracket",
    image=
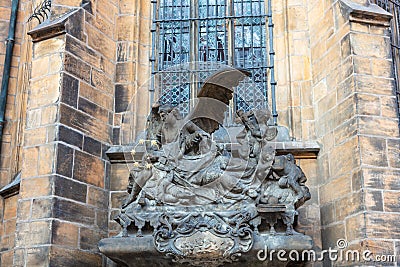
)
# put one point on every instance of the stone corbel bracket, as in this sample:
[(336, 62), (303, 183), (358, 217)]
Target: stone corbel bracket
[(370, 14)]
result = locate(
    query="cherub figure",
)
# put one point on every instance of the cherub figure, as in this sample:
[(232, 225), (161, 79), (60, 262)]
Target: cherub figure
[(290, 174)]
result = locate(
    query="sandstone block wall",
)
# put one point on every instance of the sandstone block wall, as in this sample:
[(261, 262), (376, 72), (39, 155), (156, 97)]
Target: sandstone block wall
[(70, 90), (356, 123), (64, 189)]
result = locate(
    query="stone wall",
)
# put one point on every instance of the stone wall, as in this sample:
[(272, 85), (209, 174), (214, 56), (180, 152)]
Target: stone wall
[(293, 68), (356, 123), (64, 189), (10, 158), (335, 86)]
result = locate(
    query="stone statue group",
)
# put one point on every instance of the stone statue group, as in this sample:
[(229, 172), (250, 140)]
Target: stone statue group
[(188, 185)]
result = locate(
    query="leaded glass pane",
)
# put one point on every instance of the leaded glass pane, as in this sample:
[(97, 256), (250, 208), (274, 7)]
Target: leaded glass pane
[(177, 96), (174, 88), (174, 43), (206, 38), (174, 9), (212, 31), (250, 52), (213, 41), (174, 33)]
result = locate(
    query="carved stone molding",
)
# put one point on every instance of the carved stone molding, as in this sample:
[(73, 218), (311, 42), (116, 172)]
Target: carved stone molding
[(366, 14)]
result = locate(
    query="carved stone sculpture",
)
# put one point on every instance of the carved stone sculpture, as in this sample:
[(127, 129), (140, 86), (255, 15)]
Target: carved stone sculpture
[(201, 205)]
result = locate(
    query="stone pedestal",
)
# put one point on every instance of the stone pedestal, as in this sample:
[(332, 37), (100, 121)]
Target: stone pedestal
[(135, 251)]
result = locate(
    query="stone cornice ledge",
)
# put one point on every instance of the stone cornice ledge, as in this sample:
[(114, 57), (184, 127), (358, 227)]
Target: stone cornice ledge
[(300, 150), (51, 28), (12, 188), (371, 14)]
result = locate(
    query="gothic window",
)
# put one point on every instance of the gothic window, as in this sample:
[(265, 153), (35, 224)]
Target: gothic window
[(229, 32)]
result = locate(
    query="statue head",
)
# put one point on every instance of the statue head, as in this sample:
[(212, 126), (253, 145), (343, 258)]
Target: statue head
[(262, 115), (169, 113)]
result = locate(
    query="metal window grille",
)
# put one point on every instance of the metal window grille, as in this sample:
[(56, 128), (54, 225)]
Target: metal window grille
[(393, 7), (228, 32)]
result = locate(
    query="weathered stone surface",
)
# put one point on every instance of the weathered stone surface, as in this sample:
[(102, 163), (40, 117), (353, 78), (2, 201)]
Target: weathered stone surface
[(373, 151), (385, 227), (388, 104), (65, 234), (36, 136), (117, 136), (100, 23), (118, 171), (101, 81), (33, 233), (65, 157), (73, 212), (102, 219), (88, 169), (96, 96), (342, 187), (123, 97), (42, 187), (98, 197), (84, 123), (391, 200), (378, 126), (124, 72), (125, 27), (370, 45), (89, 239), (345, 131), (47, 159), (93, 110), (11, 211), (41, 66), (92, 146), (41, 208), (7, 258), (327, 213), (49, 115), (374, 200), (374, 85), (381, 178), (45, 90), (69, 93), (393, 146), (368, 105), (81, 51), (117, 198), (344, 158), (24, 210), (73, 257), (126, 51), (348, 205), (331, 234), (355, 227), (77, 67), (70, 189), (101, 43), (38, 256), (49, 46), (76, 25), (70, 137)]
